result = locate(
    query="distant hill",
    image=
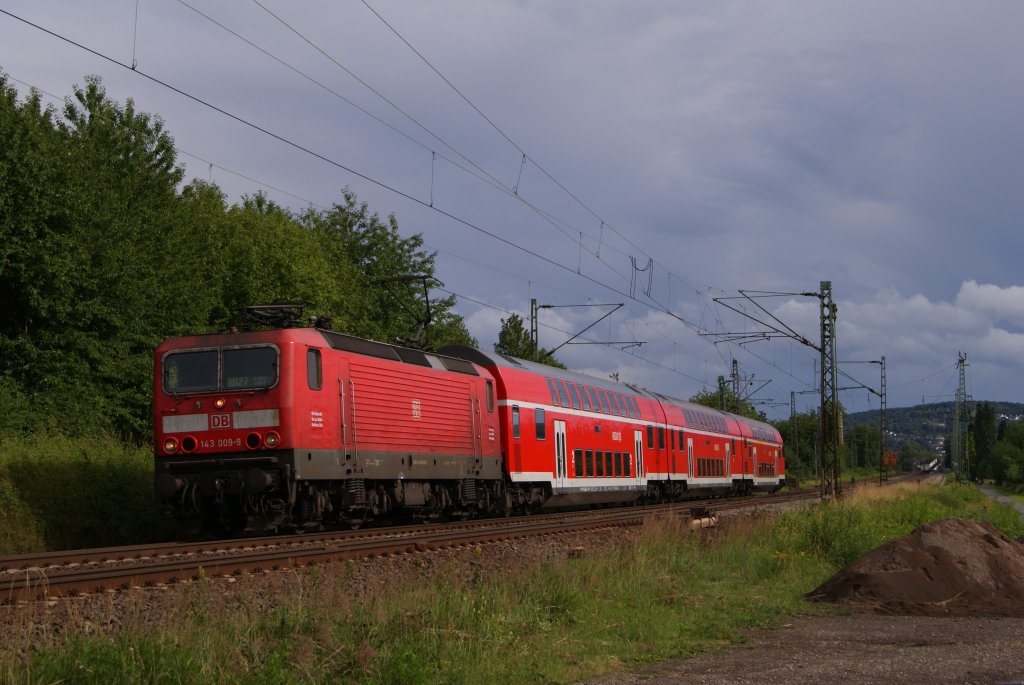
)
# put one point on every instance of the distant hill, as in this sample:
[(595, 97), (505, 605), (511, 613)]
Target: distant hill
[(927, 424)]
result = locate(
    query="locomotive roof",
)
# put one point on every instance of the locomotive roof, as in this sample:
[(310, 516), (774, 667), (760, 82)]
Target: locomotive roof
[(338, 341)]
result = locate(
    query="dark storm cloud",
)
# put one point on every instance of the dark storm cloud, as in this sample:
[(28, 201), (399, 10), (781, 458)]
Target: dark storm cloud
[(766, 146)]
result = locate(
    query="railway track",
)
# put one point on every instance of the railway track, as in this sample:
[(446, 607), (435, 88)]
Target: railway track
[(35, 577)]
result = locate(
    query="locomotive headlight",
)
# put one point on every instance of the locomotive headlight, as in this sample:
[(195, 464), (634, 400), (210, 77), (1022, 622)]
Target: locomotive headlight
[(220, 402), (272, 439), (170, 445)]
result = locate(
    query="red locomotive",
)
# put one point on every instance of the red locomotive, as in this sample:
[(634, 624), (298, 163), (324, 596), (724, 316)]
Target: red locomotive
[(297, 427)]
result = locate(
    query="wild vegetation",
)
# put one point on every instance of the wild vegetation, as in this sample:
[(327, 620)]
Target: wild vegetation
[(996, 449), (672, 592), (104, 251)]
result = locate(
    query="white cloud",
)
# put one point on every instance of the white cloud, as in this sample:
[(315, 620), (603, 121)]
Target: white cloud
[(1001, 305)]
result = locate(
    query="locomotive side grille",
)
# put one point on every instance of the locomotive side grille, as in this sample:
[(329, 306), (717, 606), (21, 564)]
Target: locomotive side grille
[(399, 410)]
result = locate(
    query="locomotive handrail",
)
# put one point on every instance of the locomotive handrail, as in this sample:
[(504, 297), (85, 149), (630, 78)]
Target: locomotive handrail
[(344, 421), (477, 437), (355, 434)]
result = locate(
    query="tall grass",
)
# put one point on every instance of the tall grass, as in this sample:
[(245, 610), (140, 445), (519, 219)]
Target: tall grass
[(673, 593), (670, 593), (58, 492)]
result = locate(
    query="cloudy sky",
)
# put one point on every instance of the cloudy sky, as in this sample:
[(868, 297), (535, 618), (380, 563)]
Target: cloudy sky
[(662, 155)]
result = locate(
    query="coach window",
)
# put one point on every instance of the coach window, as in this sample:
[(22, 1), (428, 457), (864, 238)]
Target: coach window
[(636, 407), (600, 464), (562, 394), (604, 401), (577, 462), (626, 461), (650, 437), (490, 396), (574, 395), (612, 404), (661, 438), (314, 369), (626, 409), (541, 431), (554, 395), (584, 397), (515, 422), (608, 464), (618, 463), (594, 402), (590, 463)]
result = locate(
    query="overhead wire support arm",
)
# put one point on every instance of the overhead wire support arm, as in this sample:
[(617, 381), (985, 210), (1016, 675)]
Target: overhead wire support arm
[(616, 306), (780, 331)]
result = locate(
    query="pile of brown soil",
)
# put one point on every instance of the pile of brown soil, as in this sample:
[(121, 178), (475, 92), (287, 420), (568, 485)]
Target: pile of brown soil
[(952, 567)]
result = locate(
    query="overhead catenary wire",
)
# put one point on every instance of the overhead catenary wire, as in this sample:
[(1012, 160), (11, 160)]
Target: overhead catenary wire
[(481, 174), (490, 268), (557, 223), (560, 330), (323, 158), (347, 168), (525, 156)]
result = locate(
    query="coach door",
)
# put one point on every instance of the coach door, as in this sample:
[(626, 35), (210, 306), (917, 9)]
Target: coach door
[(560, 451), (689, 458), (638, 448), (728, 461)]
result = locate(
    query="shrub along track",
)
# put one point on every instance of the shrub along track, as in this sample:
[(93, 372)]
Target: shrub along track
[(36, 577)]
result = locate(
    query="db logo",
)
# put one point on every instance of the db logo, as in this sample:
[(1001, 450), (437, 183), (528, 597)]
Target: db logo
[(220, 420)]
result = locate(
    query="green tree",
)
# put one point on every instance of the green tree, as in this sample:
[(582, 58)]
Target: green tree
[(863, 444), (515, 341), (985, 463), (377, 305), (714, 399), (103, 254), (799, 438), (909, 454), (85, 259)]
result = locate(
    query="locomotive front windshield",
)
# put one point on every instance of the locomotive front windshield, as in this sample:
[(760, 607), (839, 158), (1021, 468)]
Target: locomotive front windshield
[(213, 370)]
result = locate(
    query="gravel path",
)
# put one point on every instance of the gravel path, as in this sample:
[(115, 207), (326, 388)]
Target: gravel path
[(856, 649)]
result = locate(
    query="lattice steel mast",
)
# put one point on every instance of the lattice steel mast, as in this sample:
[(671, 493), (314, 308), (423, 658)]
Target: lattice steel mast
[(829, 416), (961, 457)]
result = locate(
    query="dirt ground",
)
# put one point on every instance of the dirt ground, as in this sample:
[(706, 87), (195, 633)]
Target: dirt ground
[(944, 604), (861, 648)]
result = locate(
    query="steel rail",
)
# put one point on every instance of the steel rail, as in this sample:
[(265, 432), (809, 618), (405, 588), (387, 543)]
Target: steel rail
[(53, 574)]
